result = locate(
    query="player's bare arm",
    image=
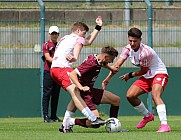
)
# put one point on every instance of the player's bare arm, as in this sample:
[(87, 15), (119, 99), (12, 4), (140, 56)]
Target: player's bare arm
[(77, 50), (92, 36), (74, 77), (116, 66), (48, 57), (140, 72), (111, 68)]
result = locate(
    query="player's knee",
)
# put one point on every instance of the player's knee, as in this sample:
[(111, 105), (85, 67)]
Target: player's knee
[(75, 92), (118, 100), (129, 96)]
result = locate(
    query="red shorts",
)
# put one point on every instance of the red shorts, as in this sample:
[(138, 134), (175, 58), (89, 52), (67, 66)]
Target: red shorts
[(146, 84), (61, 76), (92, 98)]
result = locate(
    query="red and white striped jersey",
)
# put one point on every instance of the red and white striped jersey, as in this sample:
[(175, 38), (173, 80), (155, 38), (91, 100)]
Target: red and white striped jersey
[(146, 57)]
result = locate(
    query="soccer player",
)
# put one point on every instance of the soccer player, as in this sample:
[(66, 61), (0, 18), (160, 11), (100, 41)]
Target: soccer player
[(84, 77), (153, 78), (67, 52)]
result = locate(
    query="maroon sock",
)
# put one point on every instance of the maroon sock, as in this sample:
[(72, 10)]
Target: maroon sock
[(114, 111), (81, 122)]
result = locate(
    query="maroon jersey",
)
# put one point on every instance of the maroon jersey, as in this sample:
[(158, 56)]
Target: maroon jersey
[(88, 71), (48, 47)]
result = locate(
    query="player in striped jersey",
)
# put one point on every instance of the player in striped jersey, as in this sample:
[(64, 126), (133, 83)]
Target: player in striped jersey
[(153, 78)]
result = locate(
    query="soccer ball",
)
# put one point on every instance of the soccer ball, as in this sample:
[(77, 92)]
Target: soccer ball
[(113, 125)]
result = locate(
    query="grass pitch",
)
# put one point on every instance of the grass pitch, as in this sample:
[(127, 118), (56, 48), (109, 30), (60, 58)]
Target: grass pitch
[(36, 129)]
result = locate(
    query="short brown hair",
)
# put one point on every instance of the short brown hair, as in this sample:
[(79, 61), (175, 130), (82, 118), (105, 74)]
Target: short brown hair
[(110, 50), (135, 32), (79, 25)]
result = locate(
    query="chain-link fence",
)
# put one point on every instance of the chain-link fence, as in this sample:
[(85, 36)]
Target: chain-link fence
[(20, 27)]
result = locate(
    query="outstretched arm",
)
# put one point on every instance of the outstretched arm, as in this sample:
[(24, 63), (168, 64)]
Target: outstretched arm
[(111, 68), (140, 72), (89, 40), (117, 66)]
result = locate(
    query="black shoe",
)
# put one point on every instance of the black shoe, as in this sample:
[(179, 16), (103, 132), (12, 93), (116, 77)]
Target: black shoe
[(56, 119), (62, 129), (98, 121), (47, 119)]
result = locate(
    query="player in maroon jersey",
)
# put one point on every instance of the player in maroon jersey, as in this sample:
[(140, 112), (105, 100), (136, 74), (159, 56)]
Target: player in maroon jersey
[(84, 77)]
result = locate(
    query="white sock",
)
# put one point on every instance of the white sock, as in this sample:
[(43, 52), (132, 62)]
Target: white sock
[(161, 110), (67, 115), (88, 113), (142, 109), (72, 121)]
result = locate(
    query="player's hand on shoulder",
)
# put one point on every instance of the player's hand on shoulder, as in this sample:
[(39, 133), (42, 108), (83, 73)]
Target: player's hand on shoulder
[(99, 20)]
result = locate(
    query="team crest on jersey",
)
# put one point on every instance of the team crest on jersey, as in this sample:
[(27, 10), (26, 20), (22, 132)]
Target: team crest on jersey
[(158, 79)]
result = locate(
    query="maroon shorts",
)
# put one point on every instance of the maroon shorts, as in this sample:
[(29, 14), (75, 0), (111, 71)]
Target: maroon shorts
[(92, 98), (147, 84)]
